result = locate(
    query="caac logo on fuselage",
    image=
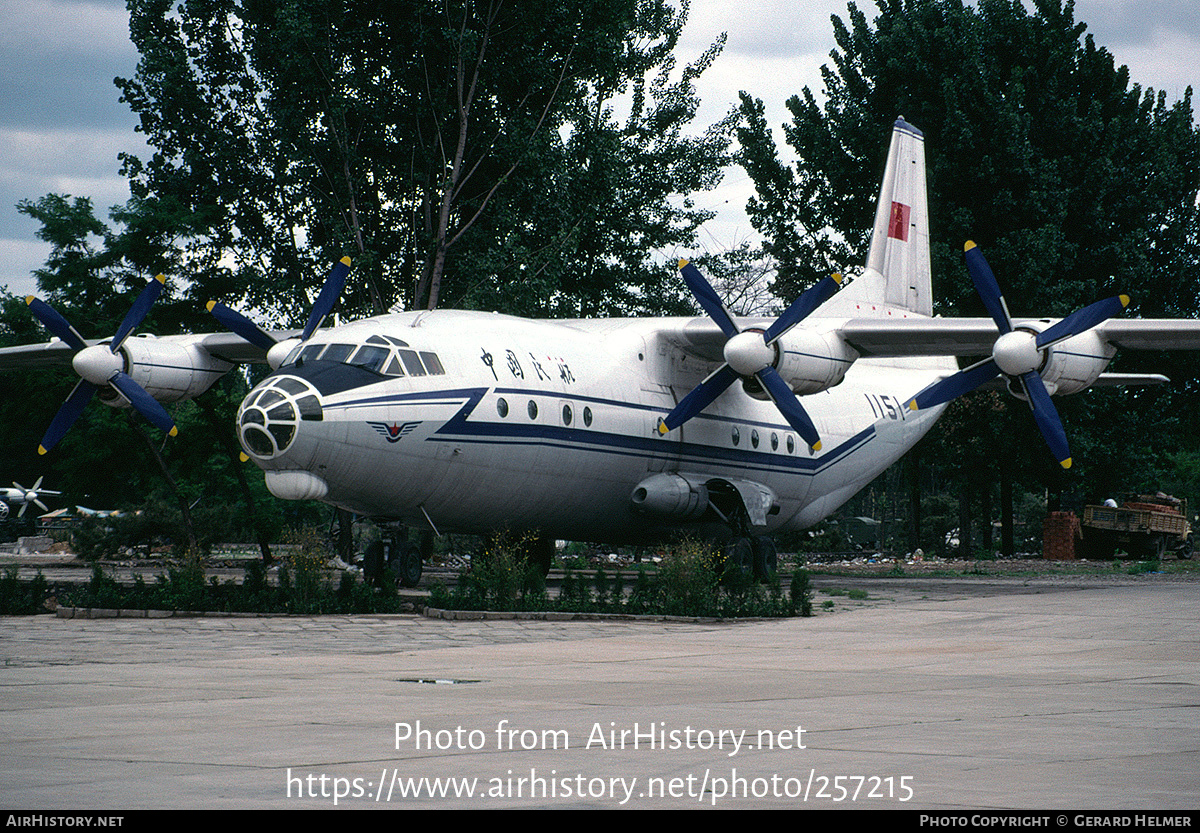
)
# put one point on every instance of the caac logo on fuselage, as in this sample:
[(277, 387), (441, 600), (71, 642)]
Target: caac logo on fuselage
[(394, 432)]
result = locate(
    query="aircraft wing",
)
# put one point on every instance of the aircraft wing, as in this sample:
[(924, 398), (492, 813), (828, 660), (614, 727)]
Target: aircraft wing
[(227, 347), (883, 337)]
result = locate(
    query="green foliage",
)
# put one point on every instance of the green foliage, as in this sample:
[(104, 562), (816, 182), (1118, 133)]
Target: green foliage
[(800, 592), (22, 598), (1074, 181)]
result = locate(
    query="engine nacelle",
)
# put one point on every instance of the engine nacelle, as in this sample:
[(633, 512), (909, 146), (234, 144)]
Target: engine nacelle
[(811, 361), (670, 495), (1073, 364), (169, 370)]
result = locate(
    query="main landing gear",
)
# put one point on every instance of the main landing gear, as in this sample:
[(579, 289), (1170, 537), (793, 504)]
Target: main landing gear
[(751, 556), (393, 558)]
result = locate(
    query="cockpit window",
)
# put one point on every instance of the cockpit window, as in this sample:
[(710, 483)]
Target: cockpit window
[(337, 353), (370, 357), (432, 364), (412, 363), (378, 354)]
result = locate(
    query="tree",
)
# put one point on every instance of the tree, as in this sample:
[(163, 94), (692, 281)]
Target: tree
[(1072, 180), (462, 151)]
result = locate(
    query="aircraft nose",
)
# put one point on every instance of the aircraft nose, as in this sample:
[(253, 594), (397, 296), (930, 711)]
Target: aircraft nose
[(270, 415)]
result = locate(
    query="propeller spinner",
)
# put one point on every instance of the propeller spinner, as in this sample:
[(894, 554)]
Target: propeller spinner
[(101, 365), (278, 350), (750, 354), (1017, 354)]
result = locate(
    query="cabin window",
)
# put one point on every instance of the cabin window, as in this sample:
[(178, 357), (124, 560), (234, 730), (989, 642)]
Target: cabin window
[(754, 438), (791, 444), (394, 368), (567, 415), (737, 435), (502, 407), (532, 408), (587, 417), (774, 441)]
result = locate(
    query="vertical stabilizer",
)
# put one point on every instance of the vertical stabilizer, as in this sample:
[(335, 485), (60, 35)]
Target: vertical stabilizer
[(900, 240)]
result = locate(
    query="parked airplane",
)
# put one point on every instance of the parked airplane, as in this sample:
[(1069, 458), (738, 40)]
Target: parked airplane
[(18, 495), (616, 430)]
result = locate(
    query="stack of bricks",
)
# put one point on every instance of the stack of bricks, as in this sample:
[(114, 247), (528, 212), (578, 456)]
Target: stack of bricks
[(1060, 532)]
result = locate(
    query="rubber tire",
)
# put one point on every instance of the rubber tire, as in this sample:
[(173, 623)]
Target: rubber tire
[(406, 564), (739, 557), (766, 559), (374, 562)]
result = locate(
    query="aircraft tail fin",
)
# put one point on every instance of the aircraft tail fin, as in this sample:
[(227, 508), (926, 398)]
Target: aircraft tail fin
[(897, 272)]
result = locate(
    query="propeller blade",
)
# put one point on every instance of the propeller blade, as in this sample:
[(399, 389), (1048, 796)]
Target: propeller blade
[(789, 406), (1046, 416), (964, 381), (41, 505), (138, 311), (700, 398), (328, 297), (1082, 320), (144, 403), (54, 322), (802, 307), (987, 287), (708, 298), (67, 414), (21, 511), (239, 324)]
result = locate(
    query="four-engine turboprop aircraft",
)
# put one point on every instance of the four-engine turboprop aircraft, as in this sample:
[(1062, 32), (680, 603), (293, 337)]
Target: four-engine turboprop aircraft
[(18, 495), (617, 430)]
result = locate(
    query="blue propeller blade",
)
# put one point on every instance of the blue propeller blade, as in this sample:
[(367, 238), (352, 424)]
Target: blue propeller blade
[(239, 324), (802, 307), (55, 323), (1046, 416), (328, 297), (708, 299), (987, 287), (71, 408), (952, 387), (789, 406), (1082, 320), (144, 403), (700, 398), (138, 311)]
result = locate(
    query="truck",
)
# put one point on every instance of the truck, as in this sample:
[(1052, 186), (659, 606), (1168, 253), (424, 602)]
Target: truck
[(1146, 527)]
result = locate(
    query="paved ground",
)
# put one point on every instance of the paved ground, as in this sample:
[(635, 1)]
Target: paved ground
[(953, 694)]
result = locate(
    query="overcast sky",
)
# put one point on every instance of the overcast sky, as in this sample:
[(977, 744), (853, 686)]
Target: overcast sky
[(61, 125)]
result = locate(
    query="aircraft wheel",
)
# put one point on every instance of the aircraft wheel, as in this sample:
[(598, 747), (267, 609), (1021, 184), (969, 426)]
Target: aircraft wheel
[(374, 561), (766, 559), (541, 554), (406, 564), (739, 558)]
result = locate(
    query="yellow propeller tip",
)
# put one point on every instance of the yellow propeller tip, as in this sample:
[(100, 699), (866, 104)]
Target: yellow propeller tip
[(346, 261), (837, 277), (29, 299), (662, 427), (1066, 464), (243, 456), (683, 261), (42, 449), (173, 431), (1124, 300), (970, 244), (912, 406), (209, 306), (816, 446), (160, 278)]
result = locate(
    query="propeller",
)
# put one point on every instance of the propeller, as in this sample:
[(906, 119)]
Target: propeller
[(1017, 354), (29, 496), (101, 365), (251, 332), (750, 353)]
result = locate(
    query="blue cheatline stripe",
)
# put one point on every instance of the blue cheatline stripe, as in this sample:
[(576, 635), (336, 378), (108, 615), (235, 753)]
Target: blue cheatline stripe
[(460, 429)]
